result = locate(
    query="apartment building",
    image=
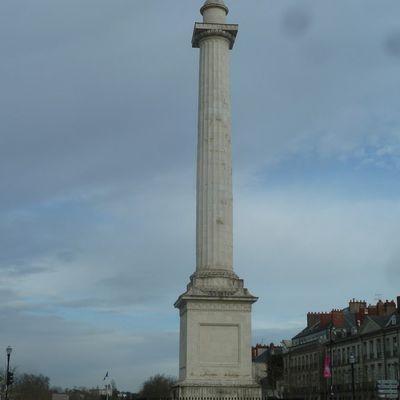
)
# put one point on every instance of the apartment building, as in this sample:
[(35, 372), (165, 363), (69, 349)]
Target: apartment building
[(360, 344)]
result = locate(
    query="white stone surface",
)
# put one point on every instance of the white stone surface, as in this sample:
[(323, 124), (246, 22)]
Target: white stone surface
[(215, 342), (215, 311), (214, 11), (215, 349), (214, 173)]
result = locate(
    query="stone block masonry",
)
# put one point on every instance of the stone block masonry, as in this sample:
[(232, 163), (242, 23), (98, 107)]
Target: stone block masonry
[(215, 310)]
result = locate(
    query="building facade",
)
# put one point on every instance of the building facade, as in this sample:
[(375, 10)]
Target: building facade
[(268, 370), (359, 344)]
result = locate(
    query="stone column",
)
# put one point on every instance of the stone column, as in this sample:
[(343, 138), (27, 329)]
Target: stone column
[(214, 155), (215, 310)]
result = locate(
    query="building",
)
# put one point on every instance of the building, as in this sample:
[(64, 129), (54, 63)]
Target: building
[(268, 369), (360, 345)]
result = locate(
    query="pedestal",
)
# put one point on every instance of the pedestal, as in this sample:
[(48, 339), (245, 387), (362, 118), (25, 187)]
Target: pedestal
[(215, 338)]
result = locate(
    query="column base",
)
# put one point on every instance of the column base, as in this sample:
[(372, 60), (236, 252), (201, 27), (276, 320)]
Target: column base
[(210, 391)]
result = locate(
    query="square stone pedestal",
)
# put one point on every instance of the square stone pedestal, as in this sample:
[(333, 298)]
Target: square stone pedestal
[(215, 341)]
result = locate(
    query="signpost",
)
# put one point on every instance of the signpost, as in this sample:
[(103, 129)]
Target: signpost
[(387, 388)]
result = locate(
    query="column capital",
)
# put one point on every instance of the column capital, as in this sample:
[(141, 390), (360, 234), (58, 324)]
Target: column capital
[(201, 31)]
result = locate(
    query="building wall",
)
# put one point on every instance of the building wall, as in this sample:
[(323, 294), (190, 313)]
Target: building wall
[(302, 371), (376, 356)]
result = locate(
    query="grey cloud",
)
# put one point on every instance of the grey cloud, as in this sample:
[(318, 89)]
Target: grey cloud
[(5, 294), (297, 21), (40, 342), (392, 44), (24, 269), (101, 94), (108, 250), (30, 234), (393, 266), (267, 336), (308, 245), (97, 150), (301, 85), (95, 110)]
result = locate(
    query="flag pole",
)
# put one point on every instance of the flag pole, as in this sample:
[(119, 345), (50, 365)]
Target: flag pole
[(106, 385)]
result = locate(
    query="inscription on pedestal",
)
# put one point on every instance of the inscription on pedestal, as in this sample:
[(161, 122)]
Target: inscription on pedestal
[(219, 306), (219, 344)]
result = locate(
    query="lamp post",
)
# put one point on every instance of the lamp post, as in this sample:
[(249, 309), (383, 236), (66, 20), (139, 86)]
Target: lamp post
[(8, 351), (352, 361), (332, 331)]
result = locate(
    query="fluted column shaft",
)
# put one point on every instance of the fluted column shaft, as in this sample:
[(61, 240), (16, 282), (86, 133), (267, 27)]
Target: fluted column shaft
[(214, 158)]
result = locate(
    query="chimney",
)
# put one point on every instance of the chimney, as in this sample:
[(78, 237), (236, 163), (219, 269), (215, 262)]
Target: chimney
[(380, 308), (356, 305), (338, 318), (325, 319), (372, 310), (390, 307), (312, 319)]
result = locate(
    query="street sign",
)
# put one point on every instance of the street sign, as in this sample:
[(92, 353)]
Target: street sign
[(387, 388)]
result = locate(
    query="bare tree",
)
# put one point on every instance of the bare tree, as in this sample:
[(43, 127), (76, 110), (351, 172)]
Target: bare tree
[(31, 387), (157, 387)]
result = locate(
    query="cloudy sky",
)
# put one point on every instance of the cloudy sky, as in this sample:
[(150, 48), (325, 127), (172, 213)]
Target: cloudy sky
[(98, 102)]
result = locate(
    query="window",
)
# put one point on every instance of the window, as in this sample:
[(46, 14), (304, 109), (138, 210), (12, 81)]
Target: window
[(365, 350), (378, 348), (373, 372), (380, 372), (371, 349), (390, 371)]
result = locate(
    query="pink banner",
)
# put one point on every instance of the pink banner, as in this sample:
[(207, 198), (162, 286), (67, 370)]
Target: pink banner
[(327, 367)]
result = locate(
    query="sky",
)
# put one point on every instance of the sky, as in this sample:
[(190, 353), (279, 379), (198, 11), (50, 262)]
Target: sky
[(98, 110)]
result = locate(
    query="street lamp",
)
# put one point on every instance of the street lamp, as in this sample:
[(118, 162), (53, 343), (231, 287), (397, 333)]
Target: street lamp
[(352, 361), (8, 351), (332, 332)]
